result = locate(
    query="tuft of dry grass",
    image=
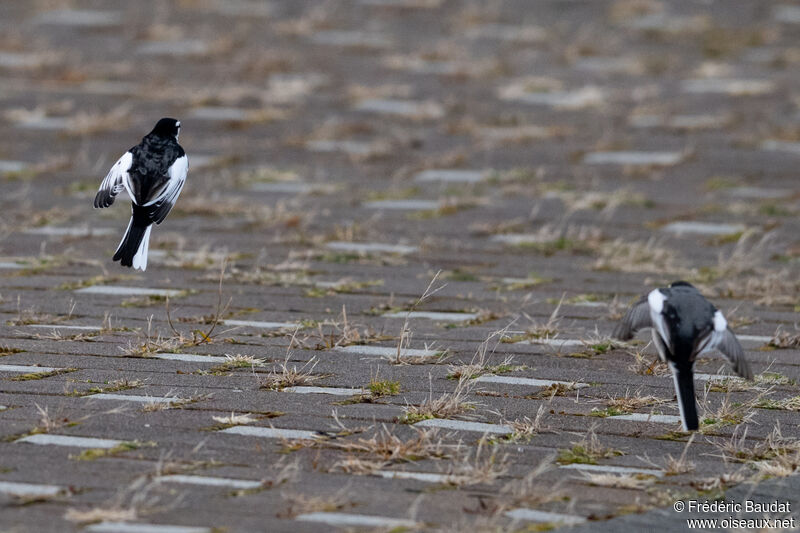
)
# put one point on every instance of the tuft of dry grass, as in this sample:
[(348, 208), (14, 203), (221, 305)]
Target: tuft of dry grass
[(153, 406), (303, 503), (155, 342), (786, 404), (780, 466), (633, 256), (481, 465), (555, 389), (734, 384), (769, 288), (404, 339), (9, 350), (681, 465), (130, 502), (587, 451), (629, 404), (530, 490), (447, 405), (538, 329), (746, 257), (242, 361), (285, 375), (726, 413), (742, 274), (479, 364), (642, 367), (111, 386), (784, 339), (334, 333), (358, 466), (605, 202), (673, 466), (550, 239), (598, 344), (93, 122), (526, 427), (719, 483), (424, 443), (738, 449), (30, 316)]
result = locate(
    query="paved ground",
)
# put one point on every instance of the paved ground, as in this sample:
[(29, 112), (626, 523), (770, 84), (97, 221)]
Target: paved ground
[(534, 165)]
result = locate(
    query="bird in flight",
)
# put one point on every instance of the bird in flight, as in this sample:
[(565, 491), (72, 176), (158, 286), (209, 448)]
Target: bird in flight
[(684, 324), (153, 173)]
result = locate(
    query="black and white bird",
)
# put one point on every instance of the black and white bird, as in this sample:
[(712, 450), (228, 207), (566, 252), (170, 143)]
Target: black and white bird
[(684, 324), (153, 172)]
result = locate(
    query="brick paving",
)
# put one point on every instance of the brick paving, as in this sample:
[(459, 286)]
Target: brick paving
[(534, 165)]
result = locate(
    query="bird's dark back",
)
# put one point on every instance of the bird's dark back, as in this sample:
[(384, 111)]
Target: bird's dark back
[(149, 170), (688, 315)]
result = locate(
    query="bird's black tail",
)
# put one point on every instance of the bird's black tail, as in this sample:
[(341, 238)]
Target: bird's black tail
[(132, 250), (684, 389)]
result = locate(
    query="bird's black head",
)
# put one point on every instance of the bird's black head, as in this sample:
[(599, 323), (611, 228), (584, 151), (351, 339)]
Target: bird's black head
[(681, 284), (167, 127)]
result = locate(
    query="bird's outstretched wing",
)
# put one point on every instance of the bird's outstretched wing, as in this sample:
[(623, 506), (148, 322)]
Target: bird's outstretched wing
[(637, 317), (114, 181), (177, 177), (728, 345)]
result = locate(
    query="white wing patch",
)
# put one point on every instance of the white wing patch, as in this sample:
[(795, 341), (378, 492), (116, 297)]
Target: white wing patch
[(116, 180), (714, 339), (177, 177), (720, 324), (656, 301)]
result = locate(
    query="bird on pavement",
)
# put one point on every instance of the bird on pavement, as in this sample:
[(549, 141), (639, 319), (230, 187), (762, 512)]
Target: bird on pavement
[(684, 324), (153, 173)]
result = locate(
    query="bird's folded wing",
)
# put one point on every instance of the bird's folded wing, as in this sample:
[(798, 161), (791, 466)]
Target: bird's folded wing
[(177, 177), (728, 345), (704, 341), (114, 181), (637, 317)]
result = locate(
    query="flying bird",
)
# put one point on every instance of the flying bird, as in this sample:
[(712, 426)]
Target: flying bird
[(153, 172), (684, 324)]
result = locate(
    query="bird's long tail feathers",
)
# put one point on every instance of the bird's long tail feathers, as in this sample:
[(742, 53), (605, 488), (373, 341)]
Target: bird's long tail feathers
[(132, 250), (684, 389)]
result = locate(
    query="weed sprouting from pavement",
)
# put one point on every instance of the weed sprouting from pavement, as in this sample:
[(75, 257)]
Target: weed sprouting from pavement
[(404, 340), (285, 375), (480, 365), (647, 365), (154, 342), (786, 450), (389, 446), (330, 334), (483, 464), (304, 503), (539, 330), (141, 497), (673, 466), (622, 255), (726, 413), (784, 339), (586, 451), (526, 427), (446, 405)]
